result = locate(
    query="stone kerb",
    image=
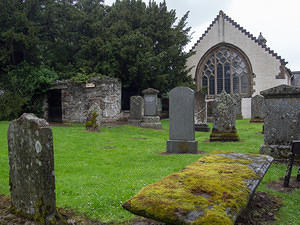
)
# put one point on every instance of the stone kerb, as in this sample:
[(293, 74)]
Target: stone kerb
[(181, 113), (201, 112), (31, 162), (94, 117), (136, 110), (224, 116), (282, 120), (257, 109)]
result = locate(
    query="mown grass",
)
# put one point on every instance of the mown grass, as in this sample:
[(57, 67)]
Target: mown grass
[(96, 172)]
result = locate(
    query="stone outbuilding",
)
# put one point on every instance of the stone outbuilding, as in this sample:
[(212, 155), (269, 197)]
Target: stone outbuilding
[(228, 57), (69, 101)]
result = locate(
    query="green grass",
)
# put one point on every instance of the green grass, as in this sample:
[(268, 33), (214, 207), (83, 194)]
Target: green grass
[(96, 172)]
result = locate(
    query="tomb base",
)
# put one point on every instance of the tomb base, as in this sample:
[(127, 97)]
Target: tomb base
[(278, 152), (257, 120), (134, 122), (203, 127), (151, 122), (181, 146), (217, 136)]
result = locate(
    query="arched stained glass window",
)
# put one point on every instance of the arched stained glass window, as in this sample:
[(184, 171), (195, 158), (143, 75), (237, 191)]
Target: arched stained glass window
[(224, 68)]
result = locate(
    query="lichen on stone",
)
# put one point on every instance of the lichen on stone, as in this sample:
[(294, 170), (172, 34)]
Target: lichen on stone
[(211, 190)]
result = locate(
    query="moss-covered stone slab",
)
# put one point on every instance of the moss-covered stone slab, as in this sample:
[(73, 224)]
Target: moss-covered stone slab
[(213, 190)]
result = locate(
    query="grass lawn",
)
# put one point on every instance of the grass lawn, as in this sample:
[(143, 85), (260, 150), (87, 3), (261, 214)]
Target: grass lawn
[(96, 172)]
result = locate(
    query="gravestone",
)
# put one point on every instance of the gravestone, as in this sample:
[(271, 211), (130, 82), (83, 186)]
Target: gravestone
[(150, 101), (224, 115), (94, 117), (150, 118), (136, 110), (159, 107), (201, 112), (257, 109), (282, 120), (31, 174), (181, 130), (210, 105), (238, 106), (214, 190)]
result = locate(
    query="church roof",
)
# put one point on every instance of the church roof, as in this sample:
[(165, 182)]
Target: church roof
[(244, 31)]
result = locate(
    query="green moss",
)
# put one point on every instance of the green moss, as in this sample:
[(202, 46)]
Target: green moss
[(224, 136), (210, 186), (92, 123), (239, 116)]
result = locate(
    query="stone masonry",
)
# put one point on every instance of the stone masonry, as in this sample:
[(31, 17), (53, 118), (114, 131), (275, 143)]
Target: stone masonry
[(282, 120), (77, 98), (150, 118), (181, 130), (31, 162), (257, 109), (224, 114)]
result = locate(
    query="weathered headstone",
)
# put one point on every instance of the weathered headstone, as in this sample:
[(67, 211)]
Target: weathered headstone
[(181, 130), (31, 161), (201, 112), (159, 106), (150, 118), (94, 117), (224, 114), (136, 110), (210, 105), (150, 101), (257, 109), (238, 106), (282, 120)]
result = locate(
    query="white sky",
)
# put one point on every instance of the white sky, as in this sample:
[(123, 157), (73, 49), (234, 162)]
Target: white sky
[(278, 20)]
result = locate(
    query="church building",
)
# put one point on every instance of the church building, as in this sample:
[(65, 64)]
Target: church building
[(227, 57)]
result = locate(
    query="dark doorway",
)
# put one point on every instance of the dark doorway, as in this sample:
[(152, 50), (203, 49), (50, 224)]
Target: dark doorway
[(54, 106)]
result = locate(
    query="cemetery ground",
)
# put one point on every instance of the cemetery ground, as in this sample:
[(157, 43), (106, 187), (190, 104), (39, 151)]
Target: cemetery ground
[(96, 172)]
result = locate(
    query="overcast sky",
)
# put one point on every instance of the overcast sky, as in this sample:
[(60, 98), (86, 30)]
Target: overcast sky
[(278, 20)]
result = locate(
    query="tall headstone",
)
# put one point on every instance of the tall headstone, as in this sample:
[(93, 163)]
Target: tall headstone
[(150, 101), (201, 112), (159, 107), (238, 106), (31, 173), (181, 130), (150, 118), (257, 109), (282, 120), (210, 105), (94, 117), (136, 110), (224, 114)]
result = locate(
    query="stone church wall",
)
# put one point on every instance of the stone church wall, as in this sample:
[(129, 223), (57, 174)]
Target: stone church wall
[(266, 67)]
